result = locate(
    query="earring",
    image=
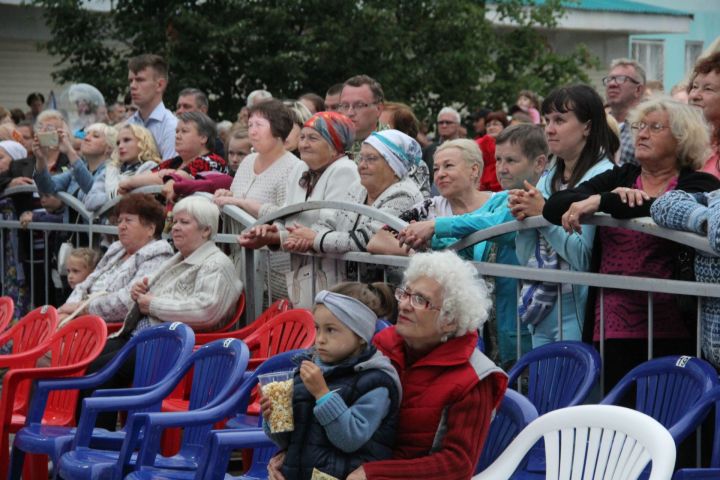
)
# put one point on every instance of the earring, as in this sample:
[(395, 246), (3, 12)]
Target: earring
[(444, 338)]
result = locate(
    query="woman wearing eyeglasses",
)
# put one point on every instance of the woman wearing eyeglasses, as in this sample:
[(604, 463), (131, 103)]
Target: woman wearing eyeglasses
[(441, 430), (670, 144), (385, 160)]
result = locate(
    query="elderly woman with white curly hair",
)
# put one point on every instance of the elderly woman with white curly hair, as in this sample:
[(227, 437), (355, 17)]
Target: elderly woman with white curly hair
[(441, 430)]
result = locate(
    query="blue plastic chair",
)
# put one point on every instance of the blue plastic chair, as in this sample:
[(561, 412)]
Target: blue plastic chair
[(514, 414), (671, 390), (560, 374), (217, 460), (218, 371), (158, 350), (697, 415)]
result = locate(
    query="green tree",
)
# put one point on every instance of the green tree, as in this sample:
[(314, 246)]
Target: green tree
[(429, 53)]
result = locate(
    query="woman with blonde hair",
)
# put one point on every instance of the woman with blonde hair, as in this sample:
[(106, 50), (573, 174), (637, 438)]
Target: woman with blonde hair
[(85, 169), (136, 152)]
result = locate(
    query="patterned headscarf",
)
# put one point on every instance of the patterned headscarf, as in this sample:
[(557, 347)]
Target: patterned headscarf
[(400, 151), (337, 129), (14, 149)]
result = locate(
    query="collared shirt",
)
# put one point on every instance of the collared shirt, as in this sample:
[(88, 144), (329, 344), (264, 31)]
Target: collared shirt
[(161, 123), (627, 145)]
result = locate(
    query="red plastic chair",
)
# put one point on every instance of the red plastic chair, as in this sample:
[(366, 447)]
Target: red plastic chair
[(290, 330), (30, 331), (7, 309), (72, 348), (239, 309), (272, 311)]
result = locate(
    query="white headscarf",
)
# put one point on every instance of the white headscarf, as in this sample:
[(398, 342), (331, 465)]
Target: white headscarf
[(400, 151), (14, 149)]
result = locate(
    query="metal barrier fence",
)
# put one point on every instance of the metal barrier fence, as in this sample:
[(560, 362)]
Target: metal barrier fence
[(254, 283)]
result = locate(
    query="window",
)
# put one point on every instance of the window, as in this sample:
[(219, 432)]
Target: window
[(692, 52), (651, 55)]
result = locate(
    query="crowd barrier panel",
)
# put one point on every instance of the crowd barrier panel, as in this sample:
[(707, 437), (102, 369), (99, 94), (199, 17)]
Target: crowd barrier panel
[(255, 285)]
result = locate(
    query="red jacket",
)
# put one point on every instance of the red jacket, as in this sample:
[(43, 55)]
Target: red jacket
[(449, 396), (488, 179)]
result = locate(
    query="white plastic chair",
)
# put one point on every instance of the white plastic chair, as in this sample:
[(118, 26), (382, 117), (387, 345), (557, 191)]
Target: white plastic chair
[(592, 442)]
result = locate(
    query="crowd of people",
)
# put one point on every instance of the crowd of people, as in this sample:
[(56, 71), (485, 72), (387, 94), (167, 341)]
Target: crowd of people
[(565, 155)]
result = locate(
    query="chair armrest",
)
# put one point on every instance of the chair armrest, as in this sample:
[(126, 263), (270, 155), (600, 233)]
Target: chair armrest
[(697, 474), (693, 417), (222, 443)]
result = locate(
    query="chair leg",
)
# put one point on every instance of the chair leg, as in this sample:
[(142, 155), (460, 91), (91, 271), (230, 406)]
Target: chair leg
[(17, 458), (36, 466)]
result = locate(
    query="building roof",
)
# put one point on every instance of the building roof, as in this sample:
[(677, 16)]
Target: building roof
[(624, 6)]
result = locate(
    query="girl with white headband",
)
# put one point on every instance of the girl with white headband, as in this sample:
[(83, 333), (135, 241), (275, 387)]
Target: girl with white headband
[(346, 394)]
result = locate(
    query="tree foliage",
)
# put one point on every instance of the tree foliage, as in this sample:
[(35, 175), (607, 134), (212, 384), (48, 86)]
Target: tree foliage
[(428, 53)]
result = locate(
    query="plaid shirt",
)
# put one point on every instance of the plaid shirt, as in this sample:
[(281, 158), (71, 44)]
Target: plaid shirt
[(627, 145)]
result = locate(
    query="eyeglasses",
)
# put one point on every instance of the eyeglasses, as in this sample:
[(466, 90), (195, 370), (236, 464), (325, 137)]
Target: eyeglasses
[(619, 79), (416, 300), (369, 159), (357, 106), (445, 122), (655, 128)]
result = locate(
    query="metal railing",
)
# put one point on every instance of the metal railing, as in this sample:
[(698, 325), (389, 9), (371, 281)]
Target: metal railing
[(254, 285)]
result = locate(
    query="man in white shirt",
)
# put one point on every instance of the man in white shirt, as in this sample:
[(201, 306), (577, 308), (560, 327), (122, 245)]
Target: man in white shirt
[(148, 78)]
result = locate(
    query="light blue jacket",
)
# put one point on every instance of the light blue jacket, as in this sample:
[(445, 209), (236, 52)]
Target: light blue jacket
[(575, 249), (77, 180)]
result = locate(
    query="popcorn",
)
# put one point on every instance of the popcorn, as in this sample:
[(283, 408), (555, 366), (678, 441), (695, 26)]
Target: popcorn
[(280, 392)]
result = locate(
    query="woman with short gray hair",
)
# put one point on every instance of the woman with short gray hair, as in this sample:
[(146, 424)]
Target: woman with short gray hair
[(198, 286)]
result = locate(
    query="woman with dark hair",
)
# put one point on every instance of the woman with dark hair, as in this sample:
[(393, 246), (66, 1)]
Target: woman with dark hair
[(194, 143), (582, 144), (670, 144), (137, 253), (259, 184)]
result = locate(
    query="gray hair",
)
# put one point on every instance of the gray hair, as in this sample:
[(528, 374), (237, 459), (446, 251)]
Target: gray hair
[(687, 125), (629, 62), (205, 126), (451, 111), (49, 113), (257, 95), (466, 299), (203, 210), (201, 100)]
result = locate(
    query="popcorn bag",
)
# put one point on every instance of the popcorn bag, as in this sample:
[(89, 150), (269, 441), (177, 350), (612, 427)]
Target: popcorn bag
[(278, 387)]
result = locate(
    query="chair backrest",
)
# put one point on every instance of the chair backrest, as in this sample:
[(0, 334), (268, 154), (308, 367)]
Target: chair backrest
[(272, 311), (239, 309), (216, 375), (592, 442), (158, 351), (559, 374), (32, 330), (514, 414), (666, 388), (72, 348), (289, 330), (7, 309)]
